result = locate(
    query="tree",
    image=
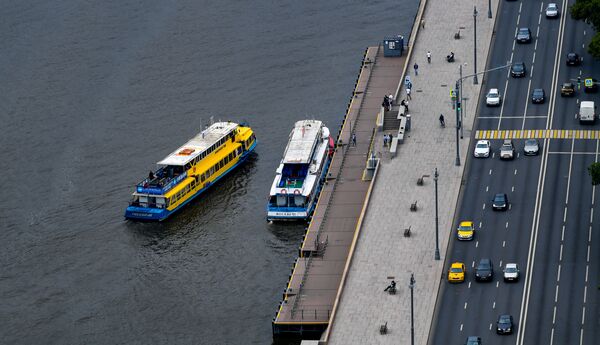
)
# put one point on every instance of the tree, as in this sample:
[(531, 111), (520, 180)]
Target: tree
[(589, 12), (594, 171)]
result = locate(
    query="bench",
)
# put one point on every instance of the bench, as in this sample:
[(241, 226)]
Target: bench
[(401, 111), (394, 146), (401, 129), (413, 206), (383, 328)]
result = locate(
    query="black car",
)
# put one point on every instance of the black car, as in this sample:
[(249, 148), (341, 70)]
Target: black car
[(573, 59), (518, 70), (524, 35), (500, 202), (485, 270), (505, 324), (538, 96), (567, 89)]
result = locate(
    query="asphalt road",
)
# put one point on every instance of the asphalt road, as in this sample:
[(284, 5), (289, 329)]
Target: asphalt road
[(550, 229)]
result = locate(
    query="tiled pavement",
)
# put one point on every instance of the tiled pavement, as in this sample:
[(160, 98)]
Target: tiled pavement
[(382, 251)]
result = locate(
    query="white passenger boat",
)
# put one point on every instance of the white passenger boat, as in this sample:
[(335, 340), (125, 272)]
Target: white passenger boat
[(301, 173)]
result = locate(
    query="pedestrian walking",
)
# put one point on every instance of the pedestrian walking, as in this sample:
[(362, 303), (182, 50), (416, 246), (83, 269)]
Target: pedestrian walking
[(408, 93), (428, 56), (416, 67), (385, 140), (423, 23), (353, 139), (409, 85)]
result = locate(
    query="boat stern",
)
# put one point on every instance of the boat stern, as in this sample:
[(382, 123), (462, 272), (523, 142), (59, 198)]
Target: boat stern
[(146, 213)]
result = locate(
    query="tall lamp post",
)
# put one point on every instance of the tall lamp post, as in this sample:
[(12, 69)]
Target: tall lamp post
[(489, 8), (412, 313), (437, 244), (458, 104), (475, 44)]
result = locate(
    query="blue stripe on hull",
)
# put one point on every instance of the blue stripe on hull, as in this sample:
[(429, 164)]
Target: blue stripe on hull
[(309, 210), (158, 214)]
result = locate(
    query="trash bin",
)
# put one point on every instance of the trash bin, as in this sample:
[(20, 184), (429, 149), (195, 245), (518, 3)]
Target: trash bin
[(393, 46), (408, 122)]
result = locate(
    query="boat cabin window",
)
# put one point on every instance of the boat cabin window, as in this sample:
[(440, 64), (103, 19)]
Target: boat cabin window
[(299, 200)]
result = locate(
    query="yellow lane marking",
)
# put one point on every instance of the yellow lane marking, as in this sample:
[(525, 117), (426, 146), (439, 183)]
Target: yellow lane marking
[(539, 134)]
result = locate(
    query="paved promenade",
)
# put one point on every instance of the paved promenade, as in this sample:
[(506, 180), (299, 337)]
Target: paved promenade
[(382, 252)]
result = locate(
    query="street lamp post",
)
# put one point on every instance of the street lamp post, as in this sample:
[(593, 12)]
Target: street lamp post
[(475, 44), (437, 244), (461, 99), (489, 8), (458, 104), (412, 313)]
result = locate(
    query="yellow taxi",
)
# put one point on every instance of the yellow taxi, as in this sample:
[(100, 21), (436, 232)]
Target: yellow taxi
[(456, 273), (465, 231)]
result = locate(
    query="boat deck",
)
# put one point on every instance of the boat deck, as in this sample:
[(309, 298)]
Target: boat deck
[(313, 286)]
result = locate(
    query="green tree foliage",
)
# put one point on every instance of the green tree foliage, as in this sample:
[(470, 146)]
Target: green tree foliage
[(589, 11), (594, 171)]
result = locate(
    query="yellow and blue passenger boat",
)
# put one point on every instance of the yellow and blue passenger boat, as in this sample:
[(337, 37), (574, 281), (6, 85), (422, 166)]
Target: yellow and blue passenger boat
[(190, 170)]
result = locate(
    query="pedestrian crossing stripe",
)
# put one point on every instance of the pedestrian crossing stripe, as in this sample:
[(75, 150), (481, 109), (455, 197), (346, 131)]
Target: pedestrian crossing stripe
[(538, 134)]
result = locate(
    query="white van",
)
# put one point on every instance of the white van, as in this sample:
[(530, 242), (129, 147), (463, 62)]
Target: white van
[(587, 112)]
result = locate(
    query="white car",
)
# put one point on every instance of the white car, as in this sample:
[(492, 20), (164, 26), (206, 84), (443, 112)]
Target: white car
[(511, 272), (493, 97), (552, 10), (482, 149)]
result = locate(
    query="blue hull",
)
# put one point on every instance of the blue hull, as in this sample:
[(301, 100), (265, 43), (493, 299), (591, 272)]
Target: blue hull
[(160, 214)]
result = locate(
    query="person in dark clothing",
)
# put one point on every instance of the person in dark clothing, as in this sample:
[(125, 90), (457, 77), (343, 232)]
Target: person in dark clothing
[(150, 176), (391, 287), (442, 122)]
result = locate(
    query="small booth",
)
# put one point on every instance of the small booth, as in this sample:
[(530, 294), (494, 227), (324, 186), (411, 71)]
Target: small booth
[(393, 46)]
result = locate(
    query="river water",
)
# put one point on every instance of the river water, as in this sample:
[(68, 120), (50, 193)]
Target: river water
[(93, 93)]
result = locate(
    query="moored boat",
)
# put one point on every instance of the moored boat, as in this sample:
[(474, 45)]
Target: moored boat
[(190, 170), (301, 173)]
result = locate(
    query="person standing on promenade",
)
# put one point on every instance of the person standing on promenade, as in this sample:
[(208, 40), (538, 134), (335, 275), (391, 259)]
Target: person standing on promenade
[(416, 67), (408, 93), (428, 56), (353, 139)]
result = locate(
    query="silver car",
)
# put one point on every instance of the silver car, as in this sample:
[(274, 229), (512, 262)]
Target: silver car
[(507, 150), (552, 10), (531, 148), (511, 272)]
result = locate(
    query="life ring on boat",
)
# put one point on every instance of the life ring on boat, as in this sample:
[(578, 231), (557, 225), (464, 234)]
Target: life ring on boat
[(297, 192), (284, 191)]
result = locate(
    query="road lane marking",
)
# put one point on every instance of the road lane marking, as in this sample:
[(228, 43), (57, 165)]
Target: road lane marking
[(560, 256), (590, 234), (541, 8), (487, 188), (562, 235), (558, 274), (515, 171), (532, 67), (469, 285), (565, 213), (584, 294), (476, 244), (490, 172), (490, 326), (503, 243), (554, 316), (569, 179), (556, 294), (483, 206), (507, 225), (500, 264), (526, 103), (540, 191), (473, 264), (533, 60), (461, 327), (581, 337), (583, 316), (505, 88), (513, 189), (586, 273), (592, 215), (494, 306), (588, 254), (480, 224), (465, 305), (497, 283), (552, 336)]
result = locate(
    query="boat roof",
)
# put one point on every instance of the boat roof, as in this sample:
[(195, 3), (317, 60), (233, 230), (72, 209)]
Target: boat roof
[(302, 142), (198, 144)]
